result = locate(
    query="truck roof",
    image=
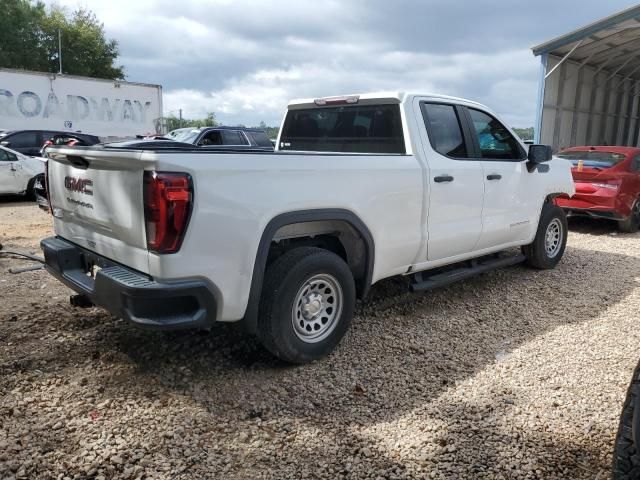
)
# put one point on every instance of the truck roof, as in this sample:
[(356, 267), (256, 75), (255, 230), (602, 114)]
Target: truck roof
[(378, 97)]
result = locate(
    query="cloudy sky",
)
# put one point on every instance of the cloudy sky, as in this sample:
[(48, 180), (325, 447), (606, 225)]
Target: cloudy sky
[(244, 59)]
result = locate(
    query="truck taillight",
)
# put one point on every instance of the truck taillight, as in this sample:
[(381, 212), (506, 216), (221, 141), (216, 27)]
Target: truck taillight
[(47, 190), (168, 199)]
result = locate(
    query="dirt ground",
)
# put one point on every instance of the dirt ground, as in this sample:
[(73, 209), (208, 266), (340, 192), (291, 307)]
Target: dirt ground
[(514, 374)]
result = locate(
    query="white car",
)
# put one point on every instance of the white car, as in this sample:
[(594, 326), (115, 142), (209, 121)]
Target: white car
[(18, 172), (362, 187)]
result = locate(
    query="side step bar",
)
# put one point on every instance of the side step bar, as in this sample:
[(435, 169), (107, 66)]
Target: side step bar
[(422, 281)]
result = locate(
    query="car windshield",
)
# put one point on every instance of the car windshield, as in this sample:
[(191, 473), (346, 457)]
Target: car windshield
[(187, 136), (594, 158)]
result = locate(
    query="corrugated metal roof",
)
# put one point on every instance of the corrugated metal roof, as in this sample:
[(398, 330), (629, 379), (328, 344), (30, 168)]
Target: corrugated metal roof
[(613, 42)]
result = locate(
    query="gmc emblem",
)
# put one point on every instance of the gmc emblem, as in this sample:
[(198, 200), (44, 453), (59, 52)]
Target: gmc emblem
[(80, 185)]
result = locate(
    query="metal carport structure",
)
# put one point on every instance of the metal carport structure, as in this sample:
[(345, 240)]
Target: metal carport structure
[(589, 89)]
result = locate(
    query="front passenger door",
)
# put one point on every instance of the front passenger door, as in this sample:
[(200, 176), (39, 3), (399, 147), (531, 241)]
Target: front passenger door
[(509, 204)]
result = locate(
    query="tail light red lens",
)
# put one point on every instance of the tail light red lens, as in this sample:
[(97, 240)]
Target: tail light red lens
[(168, 200), (46, 185)]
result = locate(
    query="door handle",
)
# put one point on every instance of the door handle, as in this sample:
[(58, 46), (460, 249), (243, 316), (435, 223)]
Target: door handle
[(443, 178), (494, 176)]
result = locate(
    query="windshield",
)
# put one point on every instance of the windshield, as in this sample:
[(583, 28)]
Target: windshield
[(187, 136), (593, 158), (349, 129)]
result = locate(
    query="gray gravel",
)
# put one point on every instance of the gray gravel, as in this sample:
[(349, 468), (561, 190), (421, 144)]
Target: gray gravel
[(515, 374)]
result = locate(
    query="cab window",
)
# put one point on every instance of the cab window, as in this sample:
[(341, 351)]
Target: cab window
[(494, 140)]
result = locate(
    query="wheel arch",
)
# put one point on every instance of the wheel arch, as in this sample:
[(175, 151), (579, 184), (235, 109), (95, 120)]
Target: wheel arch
[(286, 219)]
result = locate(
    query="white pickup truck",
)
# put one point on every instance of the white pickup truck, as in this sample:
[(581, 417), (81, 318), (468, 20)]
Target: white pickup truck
[(361, 188)]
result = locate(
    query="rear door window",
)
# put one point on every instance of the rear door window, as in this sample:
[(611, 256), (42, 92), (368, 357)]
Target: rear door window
[(444, 129), (494, 140), (345, 129), (233, 137), (23, 140)]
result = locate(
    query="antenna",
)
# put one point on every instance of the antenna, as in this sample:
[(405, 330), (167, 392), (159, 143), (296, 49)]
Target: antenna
[(60, 51)]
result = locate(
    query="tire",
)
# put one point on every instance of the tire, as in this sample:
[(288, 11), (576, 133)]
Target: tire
[(306, 306), (626, 461), (30, 193), (547, 248), (631, 224)]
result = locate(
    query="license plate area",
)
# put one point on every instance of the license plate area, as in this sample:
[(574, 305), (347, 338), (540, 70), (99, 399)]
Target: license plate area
[(92, 264)]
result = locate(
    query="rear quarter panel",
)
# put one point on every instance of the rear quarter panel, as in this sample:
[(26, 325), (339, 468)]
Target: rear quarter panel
[(237, 195)]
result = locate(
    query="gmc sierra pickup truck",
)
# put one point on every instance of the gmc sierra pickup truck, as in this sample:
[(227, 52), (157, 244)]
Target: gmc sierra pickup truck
[(361, 188)]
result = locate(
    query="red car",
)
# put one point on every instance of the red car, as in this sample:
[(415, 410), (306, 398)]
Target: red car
[(607, 184)]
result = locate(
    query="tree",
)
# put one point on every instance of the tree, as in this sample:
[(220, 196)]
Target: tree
[(20, 34), (272, 132), (29, 40), (524, 133)]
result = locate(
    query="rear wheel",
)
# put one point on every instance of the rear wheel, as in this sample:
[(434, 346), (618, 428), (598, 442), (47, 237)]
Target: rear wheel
[(548, 246), (626, 456), (307, 304), (632, 223)]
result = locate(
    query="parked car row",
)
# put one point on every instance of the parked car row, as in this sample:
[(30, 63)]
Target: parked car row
[(20, 144)]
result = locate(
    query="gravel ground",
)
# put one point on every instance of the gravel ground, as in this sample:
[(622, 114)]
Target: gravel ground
[(514, 374)]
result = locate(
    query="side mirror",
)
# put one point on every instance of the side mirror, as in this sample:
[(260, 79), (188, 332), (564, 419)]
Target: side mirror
[(539, 153)]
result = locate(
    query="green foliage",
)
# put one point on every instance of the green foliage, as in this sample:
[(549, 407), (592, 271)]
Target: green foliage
[(524, 133), (172, 122), (272, 132), (29, 40)]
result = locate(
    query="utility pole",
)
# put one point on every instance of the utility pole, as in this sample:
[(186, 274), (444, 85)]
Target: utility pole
[(60, 50)]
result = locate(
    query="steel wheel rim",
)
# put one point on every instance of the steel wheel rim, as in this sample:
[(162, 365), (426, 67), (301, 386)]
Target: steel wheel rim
[(317, 308), (553, 238)]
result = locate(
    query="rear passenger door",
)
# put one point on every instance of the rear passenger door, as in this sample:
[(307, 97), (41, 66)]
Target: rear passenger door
[(509, 207), (456, 184)]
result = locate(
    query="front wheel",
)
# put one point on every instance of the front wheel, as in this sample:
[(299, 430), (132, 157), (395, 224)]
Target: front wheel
[(626, 458), (307, 304), (30, 192), (548, 246)]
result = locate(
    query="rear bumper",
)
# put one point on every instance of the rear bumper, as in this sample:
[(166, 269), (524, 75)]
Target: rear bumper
[(127, 293), (593, 213), (591, 206)]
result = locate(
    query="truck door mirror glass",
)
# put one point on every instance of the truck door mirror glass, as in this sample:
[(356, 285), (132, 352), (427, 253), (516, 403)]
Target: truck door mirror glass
[(539, 153)]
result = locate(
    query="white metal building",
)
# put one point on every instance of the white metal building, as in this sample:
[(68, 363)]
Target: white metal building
[(589, 91)]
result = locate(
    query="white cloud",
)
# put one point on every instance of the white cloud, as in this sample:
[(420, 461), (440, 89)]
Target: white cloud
[(245, 59), (263, 95)]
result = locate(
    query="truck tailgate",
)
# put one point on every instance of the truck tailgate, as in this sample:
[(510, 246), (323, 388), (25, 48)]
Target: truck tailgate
[(97, 202)]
